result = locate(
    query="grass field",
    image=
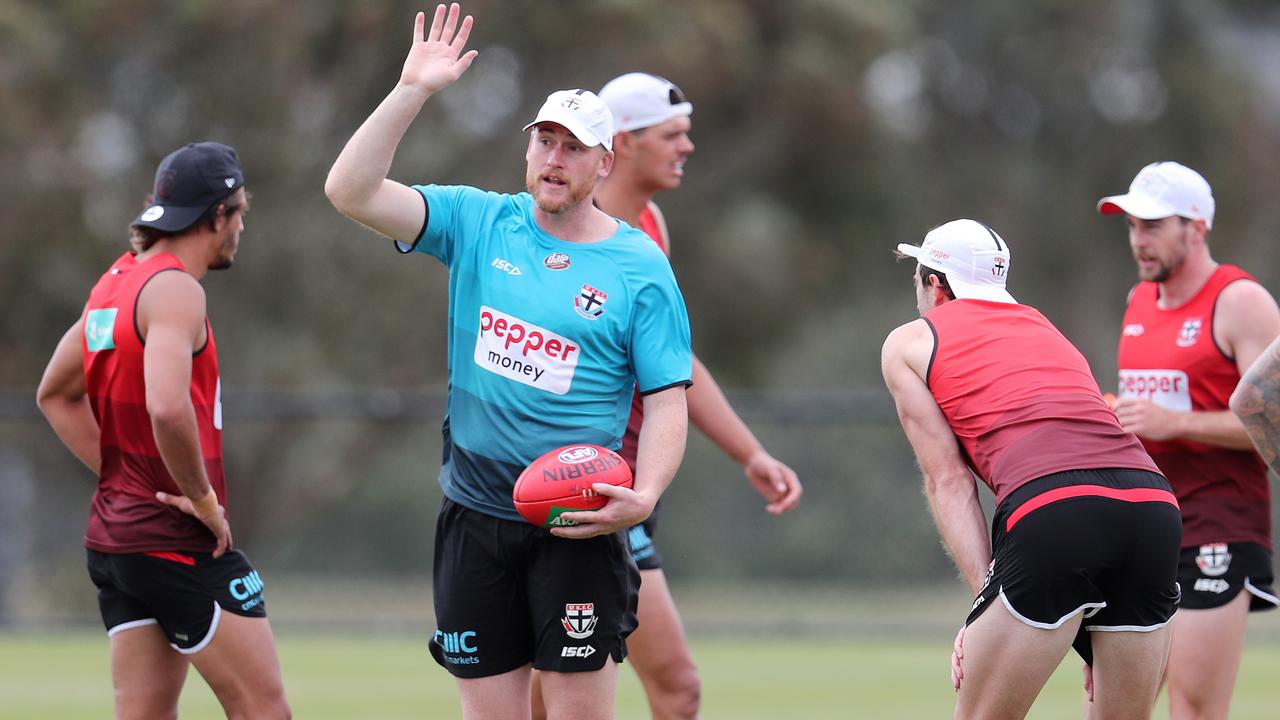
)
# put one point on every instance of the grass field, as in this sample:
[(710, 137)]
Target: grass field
[(56, 676)]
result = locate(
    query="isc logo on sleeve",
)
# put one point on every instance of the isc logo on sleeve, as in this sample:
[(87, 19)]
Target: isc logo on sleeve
[(99, 329), (524, 352)]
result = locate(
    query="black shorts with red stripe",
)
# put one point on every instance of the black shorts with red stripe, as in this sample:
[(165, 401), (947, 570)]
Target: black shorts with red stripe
[(1102, 543), (184, 593)]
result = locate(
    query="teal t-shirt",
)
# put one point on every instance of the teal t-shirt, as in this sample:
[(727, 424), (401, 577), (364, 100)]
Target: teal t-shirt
[(547, 338)]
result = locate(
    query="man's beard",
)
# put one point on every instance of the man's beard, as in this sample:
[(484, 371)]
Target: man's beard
[(576, 196), (227, 258)]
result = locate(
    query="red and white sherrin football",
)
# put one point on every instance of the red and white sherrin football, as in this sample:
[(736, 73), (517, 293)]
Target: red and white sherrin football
[(560, 481)]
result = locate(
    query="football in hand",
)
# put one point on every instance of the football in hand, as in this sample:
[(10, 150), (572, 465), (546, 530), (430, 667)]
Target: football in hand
[(560, 481)]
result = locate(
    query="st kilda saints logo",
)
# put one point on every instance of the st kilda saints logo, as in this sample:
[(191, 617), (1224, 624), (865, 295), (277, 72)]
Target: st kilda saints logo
[(1190, 332), (579, 620), (590, 302), (1214, 559), (999, 267)]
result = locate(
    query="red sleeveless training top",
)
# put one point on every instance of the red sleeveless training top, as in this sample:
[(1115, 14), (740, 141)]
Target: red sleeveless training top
[(631, 440), (125, 516), (1169, 356), (1020, 398)]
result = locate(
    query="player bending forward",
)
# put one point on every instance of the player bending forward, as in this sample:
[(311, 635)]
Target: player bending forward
[(1086, 529)]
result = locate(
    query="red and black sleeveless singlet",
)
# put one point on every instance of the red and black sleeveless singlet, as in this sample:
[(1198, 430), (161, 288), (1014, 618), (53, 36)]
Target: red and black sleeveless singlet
[(1169, 356), (631, 440), (1020, 398), (125, 516)]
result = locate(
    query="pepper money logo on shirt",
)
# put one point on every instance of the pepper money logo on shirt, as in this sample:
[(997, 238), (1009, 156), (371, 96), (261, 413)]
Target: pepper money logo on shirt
[(524, 352)]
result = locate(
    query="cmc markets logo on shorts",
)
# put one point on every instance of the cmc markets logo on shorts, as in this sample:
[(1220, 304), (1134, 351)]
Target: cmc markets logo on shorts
[(579, 620), (247, 589), (576, 454), (524, 352), (461, 644)]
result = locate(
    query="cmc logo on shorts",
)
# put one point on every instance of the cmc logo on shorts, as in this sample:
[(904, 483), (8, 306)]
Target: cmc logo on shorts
[(458, 642), (524, 352), (243, 588), (1169, 389), (576, 454)]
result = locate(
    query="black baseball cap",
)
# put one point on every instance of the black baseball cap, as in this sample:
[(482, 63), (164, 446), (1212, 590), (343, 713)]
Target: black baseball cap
[(189, 181)]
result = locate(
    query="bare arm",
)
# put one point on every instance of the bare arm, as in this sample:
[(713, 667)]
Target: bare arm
[(357, 184), (658, 456), (1245, 321), (62, 397), (171, 317), (1257, 403), (949, 486), (710, 412)]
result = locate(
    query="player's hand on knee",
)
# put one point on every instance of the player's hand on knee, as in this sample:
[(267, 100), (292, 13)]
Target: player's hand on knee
[(626, 508)]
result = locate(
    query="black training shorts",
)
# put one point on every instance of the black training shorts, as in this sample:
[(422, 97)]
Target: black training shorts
[(1061, 546), (185, 593), (508, 593), (1214, 573)]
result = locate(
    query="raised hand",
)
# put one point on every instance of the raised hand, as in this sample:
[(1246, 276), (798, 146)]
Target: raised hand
[(436, 59)]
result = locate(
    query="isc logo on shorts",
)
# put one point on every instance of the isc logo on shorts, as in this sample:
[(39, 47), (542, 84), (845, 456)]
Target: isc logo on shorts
[(582, 651), (524, 352), (1170, 389)]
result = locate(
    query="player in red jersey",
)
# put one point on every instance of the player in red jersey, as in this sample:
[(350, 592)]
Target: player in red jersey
[(1192, 328), (651, 144), (133, 391), (1086, 531)]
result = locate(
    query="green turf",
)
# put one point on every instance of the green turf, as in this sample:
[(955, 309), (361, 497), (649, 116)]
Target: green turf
[(55, 676)]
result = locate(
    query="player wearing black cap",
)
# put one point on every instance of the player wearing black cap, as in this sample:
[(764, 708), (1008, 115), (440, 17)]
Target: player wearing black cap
[(133, 391)]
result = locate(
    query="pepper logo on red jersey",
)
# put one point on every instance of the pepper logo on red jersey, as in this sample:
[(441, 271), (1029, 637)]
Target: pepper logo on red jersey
[(1170, 389), (1190, 332), (590, 302)]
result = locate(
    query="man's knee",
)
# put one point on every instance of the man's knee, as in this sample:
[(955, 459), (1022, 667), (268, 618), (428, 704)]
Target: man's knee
[(681, 690)]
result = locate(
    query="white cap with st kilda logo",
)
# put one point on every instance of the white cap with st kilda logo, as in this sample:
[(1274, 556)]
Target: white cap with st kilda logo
[(974, 258)]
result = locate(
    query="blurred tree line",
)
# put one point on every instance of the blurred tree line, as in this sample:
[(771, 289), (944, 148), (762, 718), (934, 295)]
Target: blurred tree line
[(827, 131)]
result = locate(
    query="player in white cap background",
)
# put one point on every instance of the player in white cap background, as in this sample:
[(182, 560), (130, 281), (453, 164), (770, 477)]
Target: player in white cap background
[(986, 385), (652, 121), (557, 312), (1191, 329)]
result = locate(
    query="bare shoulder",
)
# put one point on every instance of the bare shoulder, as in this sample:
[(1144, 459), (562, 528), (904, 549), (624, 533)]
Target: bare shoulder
[(910, 345), (171, 297), (1245, 296), (1246, 309), (907, 334)]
